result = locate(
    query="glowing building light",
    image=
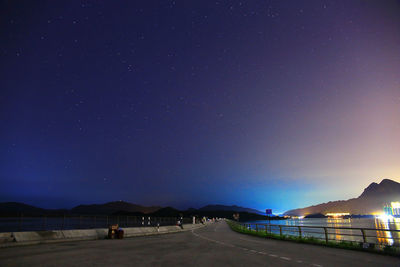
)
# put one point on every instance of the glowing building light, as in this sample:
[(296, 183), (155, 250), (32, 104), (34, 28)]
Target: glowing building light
[(395, 205), (338, 214), (388, 210), (395, 208), (385, 217)]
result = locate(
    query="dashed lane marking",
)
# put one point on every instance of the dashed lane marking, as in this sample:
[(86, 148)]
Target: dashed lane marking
[(250, 250)]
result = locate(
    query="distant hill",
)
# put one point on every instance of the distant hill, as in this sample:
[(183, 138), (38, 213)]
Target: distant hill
[(112, 207), (15, 207), (229, 208), (166, 212), (387, 189), (122, 208), (371, 201)]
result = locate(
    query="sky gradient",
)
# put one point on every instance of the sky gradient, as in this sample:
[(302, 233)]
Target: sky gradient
[(263, 104)]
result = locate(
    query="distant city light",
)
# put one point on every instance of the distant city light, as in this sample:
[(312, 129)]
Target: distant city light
[(395, 205), (338, 214), (395, 208), (385, 217)]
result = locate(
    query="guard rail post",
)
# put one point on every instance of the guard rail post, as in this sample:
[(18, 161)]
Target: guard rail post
[(21, 218), (363, 235), (326, 234), (63, 223), (44, 222)]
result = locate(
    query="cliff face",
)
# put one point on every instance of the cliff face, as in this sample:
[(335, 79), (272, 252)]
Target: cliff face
[(372, 200)]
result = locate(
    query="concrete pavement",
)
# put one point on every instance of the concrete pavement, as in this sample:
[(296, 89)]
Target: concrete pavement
[(213, 245)]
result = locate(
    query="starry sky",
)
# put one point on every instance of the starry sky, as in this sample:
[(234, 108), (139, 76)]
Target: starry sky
[(263, 104)]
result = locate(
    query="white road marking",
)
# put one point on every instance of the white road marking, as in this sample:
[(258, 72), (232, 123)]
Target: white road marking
[(251, 250)]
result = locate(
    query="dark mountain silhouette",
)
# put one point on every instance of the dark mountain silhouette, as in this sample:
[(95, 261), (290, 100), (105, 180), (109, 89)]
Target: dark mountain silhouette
[(387, 188), (121, 208), (112, 207), (229, 208), (166, 212), (127, 213), (371, 201), (17, 209)]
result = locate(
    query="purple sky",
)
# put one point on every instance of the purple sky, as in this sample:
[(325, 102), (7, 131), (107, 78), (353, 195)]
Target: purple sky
[(265, 104)]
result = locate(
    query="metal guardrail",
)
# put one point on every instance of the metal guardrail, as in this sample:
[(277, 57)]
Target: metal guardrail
[(42, 223), (368, 236)]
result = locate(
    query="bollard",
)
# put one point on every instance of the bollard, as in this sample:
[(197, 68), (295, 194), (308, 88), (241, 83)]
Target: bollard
[(299, 231), (280, 230)]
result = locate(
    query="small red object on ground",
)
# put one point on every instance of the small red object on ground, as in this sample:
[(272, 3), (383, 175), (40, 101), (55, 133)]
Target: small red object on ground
[(120, 234), (112, 231)]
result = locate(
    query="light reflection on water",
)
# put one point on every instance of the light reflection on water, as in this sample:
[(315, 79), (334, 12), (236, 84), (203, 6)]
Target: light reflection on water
[(373, 236)]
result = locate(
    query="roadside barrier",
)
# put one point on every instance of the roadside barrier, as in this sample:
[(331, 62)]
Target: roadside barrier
[(366, 237), (37, 237), (24, 223)]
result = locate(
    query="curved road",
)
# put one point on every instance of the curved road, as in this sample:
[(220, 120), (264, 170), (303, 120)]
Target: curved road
[(213, 245)]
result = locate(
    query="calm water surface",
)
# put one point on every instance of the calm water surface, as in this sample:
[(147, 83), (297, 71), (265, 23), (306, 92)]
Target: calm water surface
[(391, 237)]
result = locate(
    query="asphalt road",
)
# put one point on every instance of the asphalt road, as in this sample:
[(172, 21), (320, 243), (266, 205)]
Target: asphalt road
[(214, 245)]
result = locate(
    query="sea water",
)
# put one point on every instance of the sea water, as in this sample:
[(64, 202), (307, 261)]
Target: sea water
[(336, 228)]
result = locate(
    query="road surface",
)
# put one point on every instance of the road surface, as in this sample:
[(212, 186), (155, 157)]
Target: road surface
[(213, 245)]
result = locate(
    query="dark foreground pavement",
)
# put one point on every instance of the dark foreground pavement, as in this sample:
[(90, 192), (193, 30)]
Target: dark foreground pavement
[(214, 245)]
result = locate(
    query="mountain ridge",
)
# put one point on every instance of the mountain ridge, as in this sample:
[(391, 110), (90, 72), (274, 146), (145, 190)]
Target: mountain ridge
[(114, 207), (371, 201)]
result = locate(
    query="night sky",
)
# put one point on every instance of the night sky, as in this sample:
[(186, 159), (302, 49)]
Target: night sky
[(263, 104)]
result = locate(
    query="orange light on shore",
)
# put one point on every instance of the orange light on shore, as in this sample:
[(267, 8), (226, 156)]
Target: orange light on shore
[(338, 214)]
